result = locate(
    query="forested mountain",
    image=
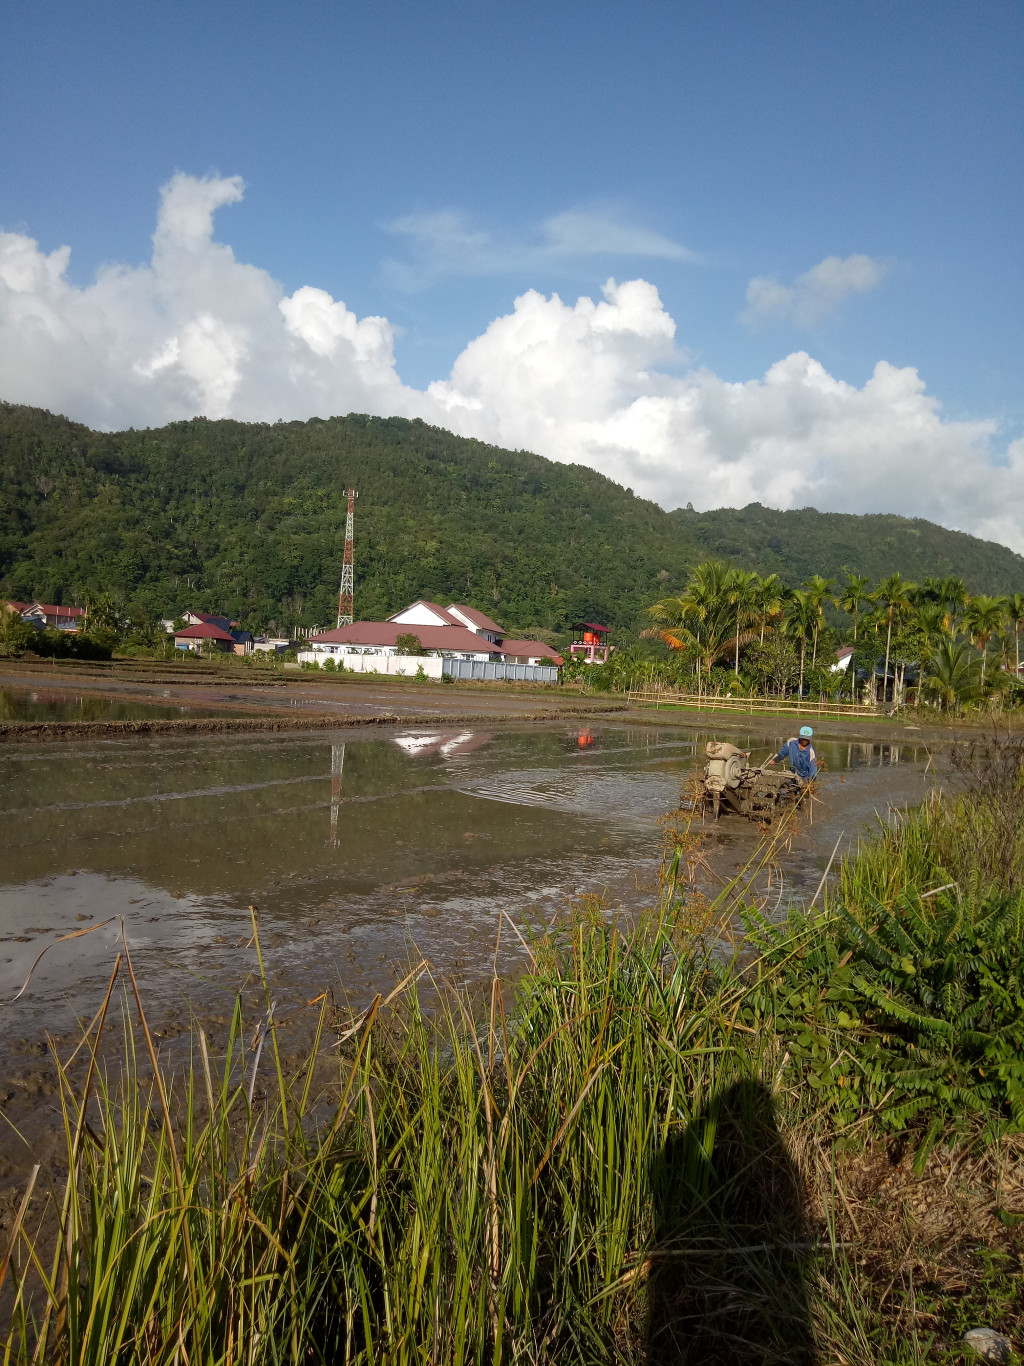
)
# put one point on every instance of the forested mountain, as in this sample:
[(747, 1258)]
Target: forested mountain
[(803, 542), (248, 518)]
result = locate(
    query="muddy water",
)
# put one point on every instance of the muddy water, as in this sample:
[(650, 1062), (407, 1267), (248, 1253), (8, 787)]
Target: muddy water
[(357, 854), (63, 704), (360, 854)]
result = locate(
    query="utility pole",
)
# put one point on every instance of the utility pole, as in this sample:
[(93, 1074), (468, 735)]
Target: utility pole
[(346, 592)]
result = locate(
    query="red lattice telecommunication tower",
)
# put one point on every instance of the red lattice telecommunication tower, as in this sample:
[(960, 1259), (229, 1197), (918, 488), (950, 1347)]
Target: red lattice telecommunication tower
[(346, 593)]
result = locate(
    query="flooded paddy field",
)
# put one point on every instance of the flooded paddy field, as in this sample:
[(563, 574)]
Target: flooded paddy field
[(76, 704), (362, 852)]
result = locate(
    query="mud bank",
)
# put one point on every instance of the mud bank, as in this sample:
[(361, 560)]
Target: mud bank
[(114, 730)]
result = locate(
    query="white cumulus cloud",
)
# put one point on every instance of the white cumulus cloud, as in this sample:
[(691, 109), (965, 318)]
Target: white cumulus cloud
[(815, 295), (600, 382)]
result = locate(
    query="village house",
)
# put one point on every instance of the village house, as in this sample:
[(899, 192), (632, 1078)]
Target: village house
[(49, 616), (457, 641), (204, 633)]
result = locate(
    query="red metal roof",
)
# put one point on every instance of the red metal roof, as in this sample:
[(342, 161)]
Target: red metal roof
[(206, 631), (458, 638), (52, 610), (529, 649), (17, 606), (591, 626), (477, 618)]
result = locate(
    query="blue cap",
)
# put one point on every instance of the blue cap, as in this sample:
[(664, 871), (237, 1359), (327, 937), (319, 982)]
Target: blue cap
[(806, 730)]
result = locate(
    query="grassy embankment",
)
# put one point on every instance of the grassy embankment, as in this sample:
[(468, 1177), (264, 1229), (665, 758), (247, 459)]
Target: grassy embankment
[(650, 1156)]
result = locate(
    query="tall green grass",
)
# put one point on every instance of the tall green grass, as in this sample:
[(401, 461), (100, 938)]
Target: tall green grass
[(609, 1164)]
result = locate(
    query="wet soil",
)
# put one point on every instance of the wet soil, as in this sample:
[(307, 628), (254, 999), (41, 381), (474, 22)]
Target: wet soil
[(362, 852)]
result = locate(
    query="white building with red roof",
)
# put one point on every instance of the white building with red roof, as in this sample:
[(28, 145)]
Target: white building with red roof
[(50, 615), (450, 636)]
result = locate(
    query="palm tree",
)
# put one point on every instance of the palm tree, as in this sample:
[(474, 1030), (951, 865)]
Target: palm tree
[(801, 621), (893, 595), (951, 675), (853, 597), (930, 620), (700, 619), (742, 594), (932, 590), (984, 618), (820, 592), (770, 598), (955, 596), (1015, 607)]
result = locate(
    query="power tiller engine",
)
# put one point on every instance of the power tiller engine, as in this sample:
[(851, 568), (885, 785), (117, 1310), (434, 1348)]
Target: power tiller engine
[(759, 793)]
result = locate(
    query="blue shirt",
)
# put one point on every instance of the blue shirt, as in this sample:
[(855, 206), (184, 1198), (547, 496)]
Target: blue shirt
[(803, 762)]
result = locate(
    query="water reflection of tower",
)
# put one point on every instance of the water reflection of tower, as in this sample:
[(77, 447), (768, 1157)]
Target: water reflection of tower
[(337, 769)]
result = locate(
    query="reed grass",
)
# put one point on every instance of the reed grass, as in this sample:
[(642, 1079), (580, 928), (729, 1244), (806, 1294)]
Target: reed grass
[(622, 1160)]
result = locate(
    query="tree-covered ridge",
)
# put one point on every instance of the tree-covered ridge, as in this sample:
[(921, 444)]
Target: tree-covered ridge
[(802, 542), (248, 519)]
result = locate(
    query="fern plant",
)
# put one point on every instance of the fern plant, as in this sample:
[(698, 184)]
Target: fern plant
[(912, 1013)]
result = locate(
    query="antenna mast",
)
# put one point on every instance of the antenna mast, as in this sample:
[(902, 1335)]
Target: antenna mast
[(346, 592)]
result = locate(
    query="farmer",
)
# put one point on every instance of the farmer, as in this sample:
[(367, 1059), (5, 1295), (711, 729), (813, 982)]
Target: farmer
[(800, 752)]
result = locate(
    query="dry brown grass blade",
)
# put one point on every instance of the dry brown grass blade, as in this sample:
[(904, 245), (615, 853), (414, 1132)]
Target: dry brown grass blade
[(62, 939)]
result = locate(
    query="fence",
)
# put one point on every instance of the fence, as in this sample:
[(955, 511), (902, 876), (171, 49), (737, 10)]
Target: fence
[(784, 706), (518, 673)]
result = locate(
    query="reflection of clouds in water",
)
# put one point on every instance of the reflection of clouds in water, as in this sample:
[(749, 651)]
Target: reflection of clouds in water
[(36, 914)]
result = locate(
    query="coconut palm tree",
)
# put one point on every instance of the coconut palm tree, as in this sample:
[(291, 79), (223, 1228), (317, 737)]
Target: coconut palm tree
[(893, 596), (951, 676), (853, 597), (820, 591), (985, 617)]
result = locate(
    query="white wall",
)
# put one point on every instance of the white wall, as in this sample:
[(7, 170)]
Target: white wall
[(419, 615), (377, 663)]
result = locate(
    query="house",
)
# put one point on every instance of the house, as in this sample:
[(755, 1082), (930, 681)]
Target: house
[(202, 626), (204, 639), (457, 640), (423, 613), (381, 638), (529, 652), (205, 619), (50, 616)]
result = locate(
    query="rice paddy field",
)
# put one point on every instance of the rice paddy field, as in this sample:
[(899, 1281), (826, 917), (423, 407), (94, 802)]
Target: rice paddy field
[(659, 1140)]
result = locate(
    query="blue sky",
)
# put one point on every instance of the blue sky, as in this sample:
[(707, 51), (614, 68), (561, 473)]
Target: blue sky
[(431, 163)]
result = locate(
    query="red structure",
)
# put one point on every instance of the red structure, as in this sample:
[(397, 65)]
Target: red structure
[(346, 593), (590, 643)]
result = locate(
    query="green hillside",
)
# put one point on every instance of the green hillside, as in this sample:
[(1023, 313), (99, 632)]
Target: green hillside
[(248, 518), (802, 542)]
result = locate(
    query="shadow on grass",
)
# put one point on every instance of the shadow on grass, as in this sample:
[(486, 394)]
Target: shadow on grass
[(727, 1273)]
